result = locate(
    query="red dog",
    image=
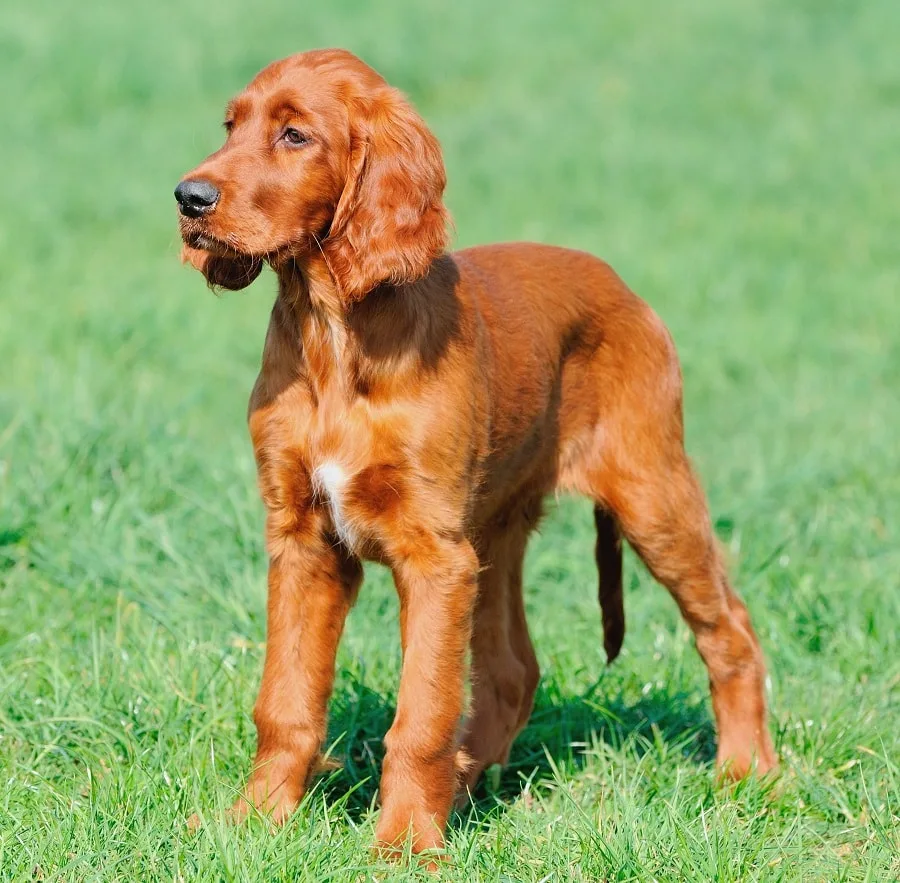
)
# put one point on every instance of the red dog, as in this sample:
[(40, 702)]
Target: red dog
[(414, 407)]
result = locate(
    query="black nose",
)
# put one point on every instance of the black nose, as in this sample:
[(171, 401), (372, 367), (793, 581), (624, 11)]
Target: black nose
[(196, 198)]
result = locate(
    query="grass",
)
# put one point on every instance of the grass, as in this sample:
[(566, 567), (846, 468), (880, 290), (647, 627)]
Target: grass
[(735, 162)]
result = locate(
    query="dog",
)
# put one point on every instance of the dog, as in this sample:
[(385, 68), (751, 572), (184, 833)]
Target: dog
[(414, 407)]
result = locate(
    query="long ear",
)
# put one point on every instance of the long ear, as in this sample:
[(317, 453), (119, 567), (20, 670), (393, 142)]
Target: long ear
[(232, 273), (390, 222)]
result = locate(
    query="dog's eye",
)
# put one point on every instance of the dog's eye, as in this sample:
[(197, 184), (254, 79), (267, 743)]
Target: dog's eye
[(294, 137), (229, 125)]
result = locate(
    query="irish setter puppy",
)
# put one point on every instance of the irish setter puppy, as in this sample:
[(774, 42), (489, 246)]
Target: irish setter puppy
[(414, 407)]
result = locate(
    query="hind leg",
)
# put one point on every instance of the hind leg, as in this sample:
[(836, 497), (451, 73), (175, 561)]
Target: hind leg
[(662, 512), (505, 672), (520, 640)]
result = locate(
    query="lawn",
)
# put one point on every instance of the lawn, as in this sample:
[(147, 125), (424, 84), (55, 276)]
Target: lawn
[(737, 163)]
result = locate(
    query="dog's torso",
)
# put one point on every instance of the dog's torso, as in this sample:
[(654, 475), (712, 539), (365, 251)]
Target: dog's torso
[(461, 398)]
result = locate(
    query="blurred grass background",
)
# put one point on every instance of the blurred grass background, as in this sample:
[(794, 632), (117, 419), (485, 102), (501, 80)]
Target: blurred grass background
[(738, 165)]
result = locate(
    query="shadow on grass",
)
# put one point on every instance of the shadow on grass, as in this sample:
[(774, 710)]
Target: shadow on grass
[(561, 732)]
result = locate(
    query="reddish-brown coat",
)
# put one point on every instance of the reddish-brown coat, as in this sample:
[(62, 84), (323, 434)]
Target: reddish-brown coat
[(414, 407)]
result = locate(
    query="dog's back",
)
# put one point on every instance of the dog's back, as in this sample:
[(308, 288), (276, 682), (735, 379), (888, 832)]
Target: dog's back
[(572, 350)]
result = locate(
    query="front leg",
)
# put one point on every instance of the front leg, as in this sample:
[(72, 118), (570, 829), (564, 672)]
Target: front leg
[(312, 585), (437, 583)]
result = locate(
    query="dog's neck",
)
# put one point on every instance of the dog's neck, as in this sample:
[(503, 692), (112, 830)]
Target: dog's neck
[(367, 346), (307, 286), (313, 317)]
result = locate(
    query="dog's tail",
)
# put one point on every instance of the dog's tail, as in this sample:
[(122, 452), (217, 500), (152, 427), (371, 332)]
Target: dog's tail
[(609, 563)]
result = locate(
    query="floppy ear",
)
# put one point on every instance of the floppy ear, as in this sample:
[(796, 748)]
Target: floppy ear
[(390, 222), (232, 273)]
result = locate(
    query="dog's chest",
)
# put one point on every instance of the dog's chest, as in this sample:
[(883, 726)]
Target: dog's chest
[(344, 464), (330, 480), (326, 448)]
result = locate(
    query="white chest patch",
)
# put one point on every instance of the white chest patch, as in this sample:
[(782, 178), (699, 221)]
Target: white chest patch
[(330, 481)]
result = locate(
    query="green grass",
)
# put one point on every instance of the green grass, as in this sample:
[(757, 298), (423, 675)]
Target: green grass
[(737, 163)]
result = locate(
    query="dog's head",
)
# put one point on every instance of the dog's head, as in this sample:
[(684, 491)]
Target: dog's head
[(322, 157)]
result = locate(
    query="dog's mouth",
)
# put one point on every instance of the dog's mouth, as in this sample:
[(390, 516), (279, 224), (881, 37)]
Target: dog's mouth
[(206, 242), (195, 234)]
